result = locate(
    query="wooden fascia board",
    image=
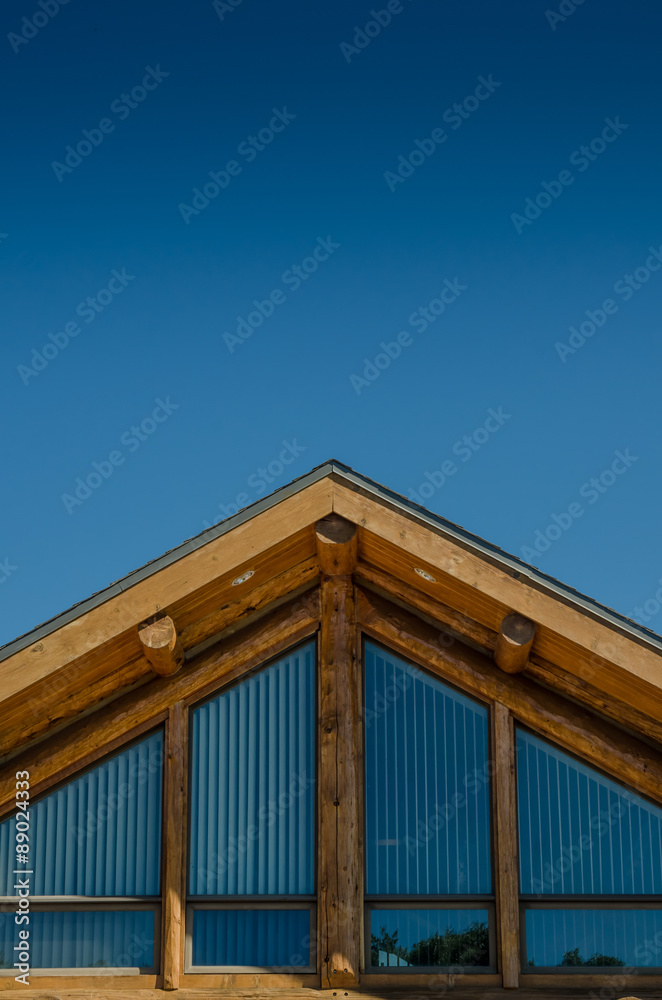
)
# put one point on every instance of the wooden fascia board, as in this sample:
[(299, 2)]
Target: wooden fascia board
[(114, 617), (432, 550)]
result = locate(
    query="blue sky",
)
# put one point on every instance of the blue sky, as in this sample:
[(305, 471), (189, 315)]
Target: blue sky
[(371, 186)]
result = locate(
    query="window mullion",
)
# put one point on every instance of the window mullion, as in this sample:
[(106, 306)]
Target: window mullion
[(505, 843)]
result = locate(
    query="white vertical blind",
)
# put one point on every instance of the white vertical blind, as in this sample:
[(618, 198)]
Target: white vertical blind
[(98, 835), (427, 783), (252, 788), (579, 831)]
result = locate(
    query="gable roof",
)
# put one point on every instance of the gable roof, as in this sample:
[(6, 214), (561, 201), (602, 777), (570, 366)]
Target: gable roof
[(472, 585)]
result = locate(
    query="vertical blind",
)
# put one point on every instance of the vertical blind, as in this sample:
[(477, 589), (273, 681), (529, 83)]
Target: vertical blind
[(98, 835), (252, 784), (427, 783), (263, 938), (84, 939), (579, 831), (585, 937)]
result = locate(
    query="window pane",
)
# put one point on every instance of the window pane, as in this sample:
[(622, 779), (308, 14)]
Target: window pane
[(589, 938), (580, 832), (83, 939), (253, 784), (427, 783), (429, 937), (98, 835), (251, 937)]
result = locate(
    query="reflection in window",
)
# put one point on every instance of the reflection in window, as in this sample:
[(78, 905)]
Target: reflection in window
[(411, 937), (594, 938)]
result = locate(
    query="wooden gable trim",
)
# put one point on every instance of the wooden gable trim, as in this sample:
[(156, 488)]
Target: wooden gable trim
[(396, 543), (218, 560), (626, 758), (98, 734)]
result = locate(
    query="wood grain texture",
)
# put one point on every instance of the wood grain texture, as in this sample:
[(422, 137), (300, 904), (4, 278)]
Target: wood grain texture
[(174, 843), (504, 805), (162, 647), (595, 741), (340, 883)]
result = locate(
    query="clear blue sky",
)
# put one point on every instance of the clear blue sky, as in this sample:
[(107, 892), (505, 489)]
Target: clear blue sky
[(310, 123)]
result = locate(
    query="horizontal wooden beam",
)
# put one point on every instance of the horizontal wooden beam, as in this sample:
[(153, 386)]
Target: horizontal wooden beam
[(93, 737), (595, 741), (162, 646), (514, 643)]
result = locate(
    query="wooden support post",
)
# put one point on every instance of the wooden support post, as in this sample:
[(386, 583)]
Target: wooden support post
[(174, 876), (340, 761), (162, 646), (514, 643), (504, 790)]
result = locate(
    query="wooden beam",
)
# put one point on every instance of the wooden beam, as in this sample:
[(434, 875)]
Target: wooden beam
[(175, 828), (514, 643), (504, 806), (162, 646), (489, 584), (340, 847), (199, 569), (337, 545), (77, 746), (552, 676), (598, 743)]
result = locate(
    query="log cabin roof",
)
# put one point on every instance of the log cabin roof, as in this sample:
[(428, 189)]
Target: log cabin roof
[(232, 572)]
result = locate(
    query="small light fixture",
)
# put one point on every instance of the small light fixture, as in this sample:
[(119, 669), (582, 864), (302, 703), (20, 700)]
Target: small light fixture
[(426, 576), (244, 576)]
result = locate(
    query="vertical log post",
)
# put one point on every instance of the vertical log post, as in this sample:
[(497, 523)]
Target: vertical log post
[(506, 862), (340, 760), (174, 879)]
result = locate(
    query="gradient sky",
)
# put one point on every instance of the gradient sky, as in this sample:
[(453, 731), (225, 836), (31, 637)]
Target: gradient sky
[(350, 108)]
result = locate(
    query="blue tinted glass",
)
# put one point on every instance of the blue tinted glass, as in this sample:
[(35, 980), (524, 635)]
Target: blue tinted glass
[(259, 938), (614, 938), (98, 835), (429, 938), (83, 939), (427, 783), (580, 832), (253, 784)]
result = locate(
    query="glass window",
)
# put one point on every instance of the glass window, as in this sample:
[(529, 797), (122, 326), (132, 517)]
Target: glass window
[(98, 835), (252, 816), (427, 815), (582, 834)]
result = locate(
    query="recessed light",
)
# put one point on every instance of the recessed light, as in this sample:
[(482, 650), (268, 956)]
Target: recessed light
[(244, 576), (426, 576)]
